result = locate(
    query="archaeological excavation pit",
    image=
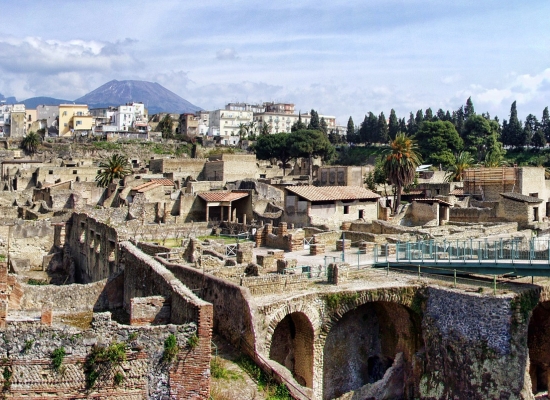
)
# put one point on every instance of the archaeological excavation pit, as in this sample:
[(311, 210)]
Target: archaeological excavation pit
[(539, 347)]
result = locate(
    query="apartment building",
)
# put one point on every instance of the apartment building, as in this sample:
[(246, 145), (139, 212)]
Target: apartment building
[(75, 119)]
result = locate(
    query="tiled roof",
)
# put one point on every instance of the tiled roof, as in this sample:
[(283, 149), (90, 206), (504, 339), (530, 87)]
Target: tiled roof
[(330, 193), (521, 197), (163, 181), (145, 187), (222, 196), (457, 192)]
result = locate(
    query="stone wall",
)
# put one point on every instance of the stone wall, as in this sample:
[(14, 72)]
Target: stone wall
[(232, 304), (475, 347), (473, 214), (276, 283), (27, 348), (422, 213)]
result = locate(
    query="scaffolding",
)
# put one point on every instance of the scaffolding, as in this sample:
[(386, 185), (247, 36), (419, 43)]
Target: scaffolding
[(499, 179)]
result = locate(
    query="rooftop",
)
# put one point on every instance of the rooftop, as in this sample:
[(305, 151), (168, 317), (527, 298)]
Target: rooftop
[(221, 196), (521, 197), (330, 193)]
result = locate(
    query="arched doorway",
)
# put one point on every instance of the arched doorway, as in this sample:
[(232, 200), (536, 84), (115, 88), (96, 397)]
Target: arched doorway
[(363, 344), (292, 346), (538, 341)]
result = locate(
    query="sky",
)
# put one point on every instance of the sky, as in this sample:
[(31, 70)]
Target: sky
[(339, 58)]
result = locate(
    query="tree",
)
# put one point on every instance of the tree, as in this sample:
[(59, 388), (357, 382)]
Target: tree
[(382, 129), (274, 147), (314, 122), (512, 131), (429, 115), (31, 142), (311, 144), (400, 163), (114, 167), (438, 142), (402, 126), (351, 136), (165, 126), (265, 129), (393, 125), (251, 130), (458, 121), (323, 127), (538, 140), (368, 130), (298, 125), (545, 124), (481, 137), (462, 161), (440, 115), (411, 125), (530, 127), (469, 109)]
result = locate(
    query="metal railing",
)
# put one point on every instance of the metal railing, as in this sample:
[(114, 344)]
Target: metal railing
[(466, 251)]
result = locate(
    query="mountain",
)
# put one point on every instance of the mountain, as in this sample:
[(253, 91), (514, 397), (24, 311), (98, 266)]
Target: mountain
[(8, 100), (155, 97), (33, 102)]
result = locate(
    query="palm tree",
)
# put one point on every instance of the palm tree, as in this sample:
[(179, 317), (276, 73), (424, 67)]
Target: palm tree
[(400, 163), (251, 130), (30, 142), (463, 161), (114, 167)]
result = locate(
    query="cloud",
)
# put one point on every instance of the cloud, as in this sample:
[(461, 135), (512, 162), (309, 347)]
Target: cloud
[(36, 55), (227, 54)]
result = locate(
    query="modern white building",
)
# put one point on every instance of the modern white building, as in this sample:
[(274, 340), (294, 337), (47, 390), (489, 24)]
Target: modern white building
[(131, 117)]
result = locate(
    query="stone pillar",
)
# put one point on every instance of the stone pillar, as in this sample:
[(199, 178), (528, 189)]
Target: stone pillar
[(282, 229), (3, 277), (244, 219), (268, 229), (46, 316), (332, 274)]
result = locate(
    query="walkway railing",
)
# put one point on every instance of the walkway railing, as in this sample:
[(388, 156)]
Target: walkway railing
[(466, 251)]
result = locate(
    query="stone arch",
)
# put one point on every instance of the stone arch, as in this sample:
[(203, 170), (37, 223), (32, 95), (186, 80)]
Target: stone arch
[(366, 335), (538, 336), (292, 346)]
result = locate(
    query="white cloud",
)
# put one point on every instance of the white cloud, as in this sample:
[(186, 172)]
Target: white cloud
[(226, 54), (34, 54)]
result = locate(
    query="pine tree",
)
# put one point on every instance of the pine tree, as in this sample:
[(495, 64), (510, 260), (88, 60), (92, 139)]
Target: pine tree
[(429, 115), (323, 127), (469, 109), (382, 131), (350, 132), (530, 127), (411, 125), (393, 126), (419, 118), (440, 115), (314, 122), (402, 125), (458, 121), (515, 134), (545, 124), (538, 140)]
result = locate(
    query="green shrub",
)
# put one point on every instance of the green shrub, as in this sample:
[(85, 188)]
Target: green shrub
[(193, 341), (37, 282), (118, 378), (7, 374), (57, 358), (171, 348), (28, 345), (110, 356), (132, 336)]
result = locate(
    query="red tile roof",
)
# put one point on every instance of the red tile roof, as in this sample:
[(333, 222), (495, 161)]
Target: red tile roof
[(163, 181), (221, 196), (331, 193), (145, 187)]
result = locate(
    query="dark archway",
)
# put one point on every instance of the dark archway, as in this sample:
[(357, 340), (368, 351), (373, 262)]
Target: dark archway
[(538, 340), (292, 346), (362, 345)]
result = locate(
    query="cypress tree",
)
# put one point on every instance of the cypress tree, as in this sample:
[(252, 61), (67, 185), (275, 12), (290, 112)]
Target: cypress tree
[(393, 126), (545, 124), (402, 125), (469, 109), (350, 131), (323, 127), (382, 131), (411, 125), (429, 115), (314, 122)]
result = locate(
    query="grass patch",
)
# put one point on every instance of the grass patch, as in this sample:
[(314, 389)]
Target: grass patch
[(57, 358), (7, 374), (102, 359), (106, 145), (171, 348), (193, 341), (219, 371), (272, 389), (28, 345), (37, 282), (334, 300), (118, 378)]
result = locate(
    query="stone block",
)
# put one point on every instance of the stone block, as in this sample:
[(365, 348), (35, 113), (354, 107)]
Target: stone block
[(316, 249), (343, 244), (46, 315), (277, 254), (267, 262)]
